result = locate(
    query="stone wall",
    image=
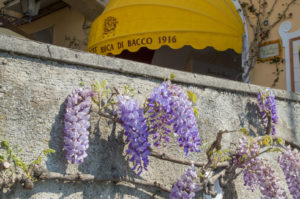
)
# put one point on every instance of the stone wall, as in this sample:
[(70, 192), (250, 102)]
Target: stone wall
[(36, 78)]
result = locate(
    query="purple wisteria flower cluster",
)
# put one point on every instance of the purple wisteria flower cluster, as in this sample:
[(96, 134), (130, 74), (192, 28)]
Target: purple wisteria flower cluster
[(267, 107), (77, 123), (186, 186), (269, 183), (248, 153), (136, 131), (290, 164), (170, 109), (256, 172)]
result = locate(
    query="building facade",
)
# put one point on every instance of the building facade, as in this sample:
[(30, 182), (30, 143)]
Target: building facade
[(67, 23)]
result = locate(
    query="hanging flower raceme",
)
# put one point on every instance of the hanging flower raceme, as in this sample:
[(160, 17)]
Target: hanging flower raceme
[(186, 186), (76, 121), (247, 159), (170, 109), (136, 131), (290, 163), (269, 183), (267, 107), (256, 173)]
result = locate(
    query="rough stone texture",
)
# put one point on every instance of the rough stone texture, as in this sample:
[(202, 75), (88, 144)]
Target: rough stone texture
[(36, 78)]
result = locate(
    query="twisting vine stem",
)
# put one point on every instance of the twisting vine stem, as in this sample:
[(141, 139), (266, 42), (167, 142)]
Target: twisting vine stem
[(224, 165), (258, 15)]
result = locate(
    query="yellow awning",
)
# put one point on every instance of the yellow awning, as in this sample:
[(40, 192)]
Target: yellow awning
[(132, 24)]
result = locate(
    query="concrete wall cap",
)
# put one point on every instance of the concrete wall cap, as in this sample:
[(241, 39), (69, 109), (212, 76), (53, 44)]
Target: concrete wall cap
[(45, 51)]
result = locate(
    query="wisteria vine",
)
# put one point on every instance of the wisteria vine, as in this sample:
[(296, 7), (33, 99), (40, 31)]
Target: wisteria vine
[(168, 112), (256, 172)]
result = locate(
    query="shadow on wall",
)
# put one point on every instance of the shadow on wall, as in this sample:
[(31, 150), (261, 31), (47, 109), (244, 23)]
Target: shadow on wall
[(56, 162), (104, 159), (251, 118)]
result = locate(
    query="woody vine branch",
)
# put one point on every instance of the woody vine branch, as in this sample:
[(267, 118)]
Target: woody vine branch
[(168, 111), (258, 15)]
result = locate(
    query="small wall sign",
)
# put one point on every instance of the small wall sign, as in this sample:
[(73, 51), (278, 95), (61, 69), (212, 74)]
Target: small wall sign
[(270, 50)]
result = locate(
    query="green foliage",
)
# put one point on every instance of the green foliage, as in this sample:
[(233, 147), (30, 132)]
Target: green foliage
[(2, 157), (201, 175), (220, 156), (82, 83), (267, 141), (172, 77), (96, 87), (192, 97), (275, 149), (37, 161), (103, 84), (45, 152), (128, 91), (100, 91), (244, 157), (19, 162), (279, 141), (49, 151), (244, 131), (196, 111), (13, 157)]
